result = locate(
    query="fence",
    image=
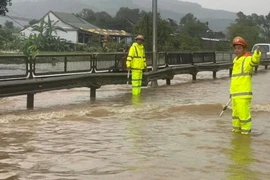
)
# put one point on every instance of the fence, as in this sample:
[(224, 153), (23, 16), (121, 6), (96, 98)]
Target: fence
[(20, 67)]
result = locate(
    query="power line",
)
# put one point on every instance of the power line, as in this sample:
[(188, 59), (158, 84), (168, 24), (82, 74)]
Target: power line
[(14, 20), (14, 12)]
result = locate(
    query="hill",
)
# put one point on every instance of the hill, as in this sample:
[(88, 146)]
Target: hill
[(174, 9)]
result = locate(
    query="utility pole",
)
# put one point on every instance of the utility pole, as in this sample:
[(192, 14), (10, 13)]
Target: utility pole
[(155, 65)]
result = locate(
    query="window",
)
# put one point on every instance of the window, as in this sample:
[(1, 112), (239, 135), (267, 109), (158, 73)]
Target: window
[(263, 48)]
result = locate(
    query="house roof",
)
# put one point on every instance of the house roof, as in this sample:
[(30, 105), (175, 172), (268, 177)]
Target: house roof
[(78, 23), (107, 32), (213, 39), (73, 20), (81, 24)]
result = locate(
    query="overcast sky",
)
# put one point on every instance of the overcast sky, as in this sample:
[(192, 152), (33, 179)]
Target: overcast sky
[(246, 6)]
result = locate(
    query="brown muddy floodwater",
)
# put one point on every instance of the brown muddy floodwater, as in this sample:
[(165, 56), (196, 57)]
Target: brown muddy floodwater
[(170, 133)]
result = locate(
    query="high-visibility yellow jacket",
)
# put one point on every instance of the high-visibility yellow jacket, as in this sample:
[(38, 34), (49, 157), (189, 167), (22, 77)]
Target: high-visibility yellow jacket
[(241, 85), (136, 57)]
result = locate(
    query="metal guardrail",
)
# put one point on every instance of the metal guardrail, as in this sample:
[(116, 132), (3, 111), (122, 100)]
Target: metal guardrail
[(20, 67), (62, 64), (176, 59), (14, 67)]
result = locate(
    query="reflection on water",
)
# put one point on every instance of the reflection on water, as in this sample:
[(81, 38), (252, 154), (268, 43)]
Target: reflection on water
[(241, 157), (169, 133), (136, 100)]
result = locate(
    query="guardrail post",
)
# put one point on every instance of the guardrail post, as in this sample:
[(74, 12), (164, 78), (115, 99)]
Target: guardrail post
[(93, 90), (30, 101), (93, 93), (191, 59), (194, 74), (65, 64), (214, 74), (30, 67), (115, 63), (30, 96), (94, 62), (168, 81), (215, 71)]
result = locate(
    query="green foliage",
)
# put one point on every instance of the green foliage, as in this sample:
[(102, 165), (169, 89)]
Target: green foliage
[(32, 22), (188, 37), (44, 40), (3, 6), (9, 24), (30, 46), (245, 27), (192, 26), (144, 27), (125, 18), (253, 28), (6, 36)]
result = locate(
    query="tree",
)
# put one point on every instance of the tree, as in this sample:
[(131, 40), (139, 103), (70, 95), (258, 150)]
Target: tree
[(9, 24), (32, 22), (263, 22), (3, 6), (46, 29), (131, 15), (144, 27), (44, 39), (174, 25), (193, 26), (125, 18), (104, 20), (100, 19), (52, 28), (246, 27), (88, 15)]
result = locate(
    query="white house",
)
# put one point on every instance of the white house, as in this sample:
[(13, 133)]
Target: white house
[(78, 30)]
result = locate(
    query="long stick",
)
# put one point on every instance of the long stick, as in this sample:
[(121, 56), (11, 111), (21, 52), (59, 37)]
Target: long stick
[(128, 77), (225, 107)]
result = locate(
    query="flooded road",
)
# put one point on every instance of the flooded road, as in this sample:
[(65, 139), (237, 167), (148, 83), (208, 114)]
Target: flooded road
[(170, 133)]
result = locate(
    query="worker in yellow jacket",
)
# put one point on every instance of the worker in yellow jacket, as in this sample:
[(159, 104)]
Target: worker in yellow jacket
[(136, 62), (241, 85)]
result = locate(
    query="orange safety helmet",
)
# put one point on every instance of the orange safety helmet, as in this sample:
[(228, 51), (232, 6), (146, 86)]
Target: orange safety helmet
[(240, 41), (140, 37)]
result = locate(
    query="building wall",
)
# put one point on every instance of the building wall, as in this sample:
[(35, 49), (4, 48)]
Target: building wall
[(71, 34)]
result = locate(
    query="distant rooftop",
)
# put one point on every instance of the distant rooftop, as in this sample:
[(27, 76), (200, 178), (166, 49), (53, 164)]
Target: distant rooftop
[(74, 20), (77, 22), (106, 32), (213, 39)]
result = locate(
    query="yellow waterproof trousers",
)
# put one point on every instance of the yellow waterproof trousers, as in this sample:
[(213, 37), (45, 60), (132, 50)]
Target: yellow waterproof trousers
[(241, 117), (136, 100), (136, 81)]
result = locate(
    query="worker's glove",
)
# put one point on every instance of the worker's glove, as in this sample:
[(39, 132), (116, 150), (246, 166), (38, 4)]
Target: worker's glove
[(257, 49)]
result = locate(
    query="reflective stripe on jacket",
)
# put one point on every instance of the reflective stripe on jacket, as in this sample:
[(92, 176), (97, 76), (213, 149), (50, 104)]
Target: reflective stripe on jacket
[(136, 57), (241, 85)]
